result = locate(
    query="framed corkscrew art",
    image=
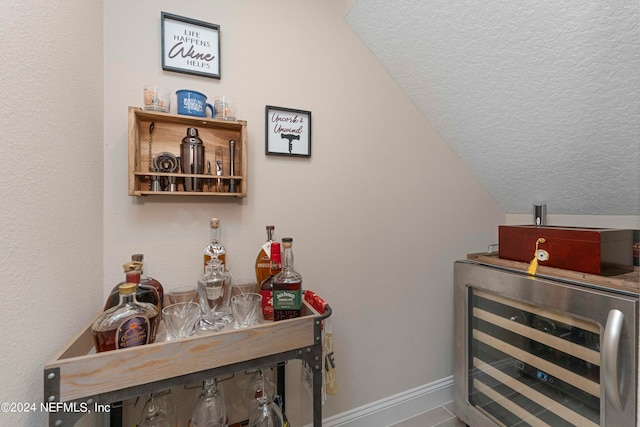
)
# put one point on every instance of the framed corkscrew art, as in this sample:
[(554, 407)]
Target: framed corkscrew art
[(287, 132)]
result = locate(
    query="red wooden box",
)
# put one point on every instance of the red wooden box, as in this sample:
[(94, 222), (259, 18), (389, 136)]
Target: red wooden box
[(603, 251)]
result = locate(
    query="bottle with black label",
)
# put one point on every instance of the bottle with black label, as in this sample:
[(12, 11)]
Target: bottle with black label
[(287, 286)]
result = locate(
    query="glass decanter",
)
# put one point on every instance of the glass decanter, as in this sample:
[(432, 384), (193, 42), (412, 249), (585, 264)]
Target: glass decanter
[(214, 294)]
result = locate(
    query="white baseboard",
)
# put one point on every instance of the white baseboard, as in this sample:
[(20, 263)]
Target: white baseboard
[(394, 409)]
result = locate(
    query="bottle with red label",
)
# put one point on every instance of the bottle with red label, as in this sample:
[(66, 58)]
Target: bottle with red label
[(266, 287), (264, 256), (130, 323)]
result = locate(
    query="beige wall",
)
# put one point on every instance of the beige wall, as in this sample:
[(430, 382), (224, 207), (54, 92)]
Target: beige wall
[(378, 213), (51, 181)]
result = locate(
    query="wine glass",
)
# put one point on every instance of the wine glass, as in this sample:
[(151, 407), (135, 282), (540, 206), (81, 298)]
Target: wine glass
[(152, 415), (209, 407), (266, 414)]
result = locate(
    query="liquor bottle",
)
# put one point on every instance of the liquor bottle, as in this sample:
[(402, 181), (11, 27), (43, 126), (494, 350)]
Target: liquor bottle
[(266, 287), (214, 249), (262, 261), (130, 323), (287, 286), (148, 289), (210, 407), (149, 282)]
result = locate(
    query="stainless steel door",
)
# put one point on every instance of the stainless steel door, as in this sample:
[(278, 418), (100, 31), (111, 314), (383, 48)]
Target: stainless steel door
[(532, 351)]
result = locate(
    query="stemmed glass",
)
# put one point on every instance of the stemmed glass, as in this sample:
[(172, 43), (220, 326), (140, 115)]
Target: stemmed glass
[(153, 415), (267, 413), (209, 407)]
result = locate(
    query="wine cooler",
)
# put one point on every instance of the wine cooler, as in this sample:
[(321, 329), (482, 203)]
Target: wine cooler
[(542, 351)]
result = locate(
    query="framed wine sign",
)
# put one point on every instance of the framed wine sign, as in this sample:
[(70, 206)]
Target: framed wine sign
[(190, 46)]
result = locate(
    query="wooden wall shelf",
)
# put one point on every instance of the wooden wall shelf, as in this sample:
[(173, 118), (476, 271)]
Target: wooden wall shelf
[(166, 136)]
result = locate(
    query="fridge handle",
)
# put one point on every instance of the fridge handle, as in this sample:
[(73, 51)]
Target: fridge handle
[(610, 347)]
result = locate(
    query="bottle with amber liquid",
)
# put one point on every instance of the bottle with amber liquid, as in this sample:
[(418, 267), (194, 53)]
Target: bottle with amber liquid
[(128, 324), (264, 256), (287, 286), (214, 249), (266, 287), (148, 289), (149, 282)]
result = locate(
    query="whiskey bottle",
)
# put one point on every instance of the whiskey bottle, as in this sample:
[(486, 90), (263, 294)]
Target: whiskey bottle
[(266, 287), (148, 289), (262, 261), (149, 282), (287, 286), (130, 323), (214, 249)]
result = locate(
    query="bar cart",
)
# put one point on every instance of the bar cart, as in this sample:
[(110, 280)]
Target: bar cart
[(84, 379)]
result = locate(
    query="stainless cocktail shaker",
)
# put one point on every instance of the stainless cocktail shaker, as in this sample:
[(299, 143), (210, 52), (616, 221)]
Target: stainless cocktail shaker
[(192, 159)]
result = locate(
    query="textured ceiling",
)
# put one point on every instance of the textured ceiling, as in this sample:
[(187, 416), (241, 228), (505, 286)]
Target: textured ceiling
[(540, 98)]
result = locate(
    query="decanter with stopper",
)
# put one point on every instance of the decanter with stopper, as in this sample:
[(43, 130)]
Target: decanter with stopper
[(214, 293)]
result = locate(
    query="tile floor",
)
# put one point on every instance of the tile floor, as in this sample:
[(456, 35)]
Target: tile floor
[(442, 416)]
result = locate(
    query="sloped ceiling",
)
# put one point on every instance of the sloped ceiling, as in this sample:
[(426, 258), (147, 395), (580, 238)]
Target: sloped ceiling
[(540, 98)]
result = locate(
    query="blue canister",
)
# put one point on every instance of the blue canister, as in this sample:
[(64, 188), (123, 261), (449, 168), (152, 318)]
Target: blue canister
[(192, 103)]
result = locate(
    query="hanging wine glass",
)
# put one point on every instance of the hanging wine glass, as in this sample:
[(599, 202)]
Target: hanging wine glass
[(267, 413), (209, 408), (260, 385), (166, 406), (152, 416)]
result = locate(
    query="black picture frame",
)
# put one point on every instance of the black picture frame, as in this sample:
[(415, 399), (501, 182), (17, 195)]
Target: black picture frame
[(287, 132), (190, 46)]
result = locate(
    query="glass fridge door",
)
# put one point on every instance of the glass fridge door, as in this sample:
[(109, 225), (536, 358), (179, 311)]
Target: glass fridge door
[(532, 366)]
